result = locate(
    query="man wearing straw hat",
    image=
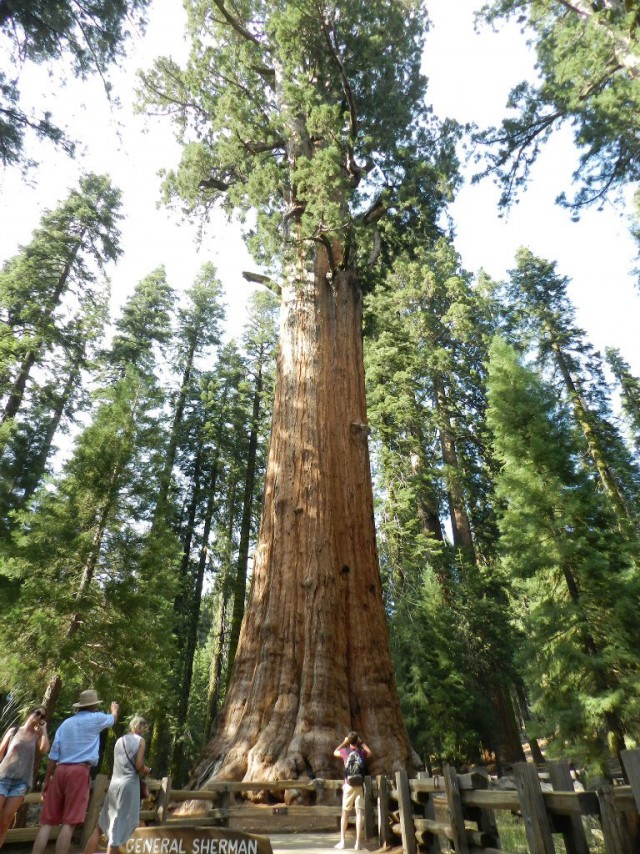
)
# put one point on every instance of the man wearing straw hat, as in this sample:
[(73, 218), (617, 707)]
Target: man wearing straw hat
[(65, 789)]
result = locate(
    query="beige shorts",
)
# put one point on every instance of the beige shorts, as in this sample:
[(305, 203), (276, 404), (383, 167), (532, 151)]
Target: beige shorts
[(352, 796)]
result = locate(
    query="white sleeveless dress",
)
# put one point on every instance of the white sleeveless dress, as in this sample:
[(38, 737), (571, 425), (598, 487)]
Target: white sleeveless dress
[(121, 810)]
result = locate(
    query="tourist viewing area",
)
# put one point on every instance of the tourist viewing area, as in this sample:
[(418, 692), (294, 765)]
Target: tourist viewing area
[(448, 811)]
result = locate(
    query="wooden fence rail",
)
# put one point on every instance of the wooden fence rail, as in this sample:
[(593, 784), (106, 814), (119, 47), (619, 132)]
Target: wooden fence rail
[(440, 813), (458, 811)]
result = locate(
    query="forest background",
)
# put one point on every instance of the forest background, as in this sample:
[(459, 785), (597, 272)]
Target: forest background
[(168, 425)]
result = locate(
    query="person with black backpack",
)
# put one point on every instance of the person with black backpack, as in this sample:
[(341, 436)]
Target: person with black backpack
[(354, 754)]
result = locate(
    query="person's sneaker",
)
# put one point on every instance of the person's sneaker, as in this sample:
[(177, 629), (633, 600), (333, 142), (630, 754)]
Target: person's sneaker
[(339, 844), (357, 847)]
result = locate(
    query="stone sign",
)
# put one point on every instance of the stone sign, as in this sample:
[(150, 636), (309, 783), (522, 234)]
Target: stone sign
[(173, 839)]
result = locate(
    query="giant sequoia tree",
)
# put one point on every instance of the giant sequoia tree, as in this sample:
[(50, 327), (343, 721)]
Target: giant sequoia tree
[(308, 113)]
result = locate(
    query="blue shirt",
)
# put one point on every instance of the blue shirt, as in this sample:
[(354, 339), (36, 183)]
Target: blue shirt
[(78, 738)]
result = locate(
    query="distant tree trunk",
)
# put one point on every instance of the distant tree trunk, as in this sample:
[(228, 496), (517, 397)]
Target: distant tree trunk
[(32, 478), (313, 657), (191, 629), (16, 394), (607, 477), (507, 744), (240, 582), (217, 662), (460, 525)]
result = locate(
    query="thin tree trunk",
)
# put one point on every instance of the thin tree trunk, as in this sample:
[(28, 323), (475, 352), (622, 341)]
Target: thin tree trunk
[(240, 581), (165, 481), (33, 477), (460, 525), (507, 744), (191, 634), (581, 410), (313, 657), (16, 394), (215, 673)]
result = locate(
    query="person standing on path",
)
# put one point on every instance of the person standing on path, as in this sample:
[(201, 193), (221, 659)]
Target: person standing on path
[(121, 810), (74, 751), (18, 751), (354, 754)]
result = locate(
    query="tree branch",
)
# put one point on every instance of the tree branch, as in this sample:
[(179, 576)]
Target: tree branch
[(235, 23), (346, 87), (259, 279), (622, 45)]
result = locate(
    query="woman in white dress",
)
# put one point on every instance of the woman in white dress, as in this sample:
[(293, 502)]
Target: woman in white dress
[(121, 810)]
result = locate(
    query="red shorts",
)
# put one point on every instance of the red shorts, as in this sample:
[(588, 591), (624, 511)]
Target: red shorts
[(67, 796)]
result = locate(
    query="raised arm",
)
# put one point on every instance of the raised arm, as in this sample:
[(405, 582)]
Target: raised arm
[(343, 743), (44, 744)]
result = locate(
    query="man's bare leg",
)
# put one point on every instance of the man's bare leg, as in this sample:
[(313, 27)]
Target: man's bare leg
[(359, 826), (344, 821), (63, 842), (40, 842)]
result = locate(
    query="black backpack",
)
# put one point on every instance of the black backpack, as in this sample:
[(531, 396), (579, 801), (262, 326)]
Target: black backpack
[(354, 769)]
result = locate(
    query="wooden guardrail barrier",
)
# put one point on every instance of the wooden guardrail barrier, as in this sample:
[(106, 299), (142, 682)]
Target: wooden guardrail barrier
[(433, 813), (220, 798), (460, 810)]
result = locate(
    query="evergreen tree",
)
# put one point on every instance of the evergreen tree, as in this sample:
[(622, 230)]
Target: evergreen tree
[(89, 571), (53, 302), (259, 341), (630, 393), (305, 116), (540, 310), (90, 35), (588, 62), (575, 582), (425, 370)]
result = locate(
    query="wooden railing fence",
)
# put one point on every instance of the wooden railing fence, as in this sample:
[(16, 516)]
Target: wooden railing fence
[(458, 811), (449, 811)]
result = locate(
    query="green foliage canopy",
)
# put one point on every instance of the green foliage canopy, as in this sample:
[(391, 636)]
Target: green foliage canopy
[(307, 113), (588, 61), (90, 34)]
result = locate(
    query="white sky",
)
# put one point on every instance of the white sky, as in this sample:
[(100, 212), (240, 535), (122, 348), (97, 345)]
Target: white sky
[(470, 76)]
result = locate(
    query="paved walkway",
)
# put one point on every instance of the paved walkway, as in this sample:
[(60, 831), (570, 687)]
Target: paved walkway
[(311, 843)]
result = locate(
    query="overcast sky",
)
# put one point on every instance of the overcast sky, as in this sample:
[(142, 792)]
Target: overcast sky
[(470, 76)]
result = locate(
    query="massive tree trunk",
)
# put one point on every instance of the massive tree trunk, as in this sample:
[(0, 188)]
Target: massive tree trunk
[(313, 657)]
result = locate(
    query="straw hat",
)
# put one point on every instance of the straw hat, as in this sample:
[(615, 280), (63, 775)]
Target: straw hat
[(87, 698)]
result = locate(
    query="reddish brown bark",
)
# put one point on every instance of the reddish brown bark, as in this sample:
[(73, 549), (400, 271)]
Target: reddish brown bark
[(313, 657)]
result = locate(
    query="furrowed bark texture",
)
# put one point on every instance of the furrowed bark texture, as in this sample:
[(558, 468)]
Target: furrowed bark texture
[(313, 658)]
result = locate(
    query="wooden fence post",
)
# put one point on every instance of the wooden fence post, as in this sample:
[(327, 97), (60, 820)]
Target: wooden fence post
[(631, 762), (163, 800), (571, 826), (407, 827), (614, 826), (225, 800), (369, 822), (484, 817), (536, 819), (98, 791), (430, 812), (384, 831), (454, 803)]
